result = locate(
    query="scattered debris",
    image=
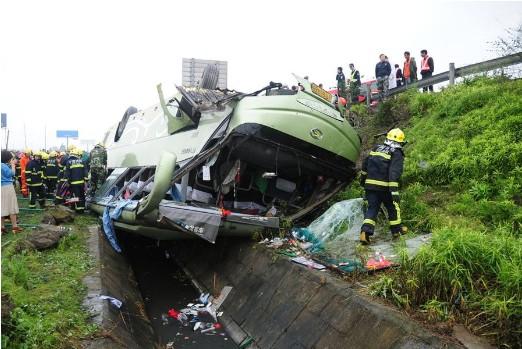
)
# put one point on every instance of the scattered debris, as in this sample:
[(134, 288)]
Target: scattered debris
[(116, 302), (202, 315), (308, 262), (379, 262)]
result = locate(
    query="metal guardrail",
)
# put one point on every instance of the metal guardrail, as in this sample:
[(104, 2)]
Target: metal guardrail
[(450, 75)]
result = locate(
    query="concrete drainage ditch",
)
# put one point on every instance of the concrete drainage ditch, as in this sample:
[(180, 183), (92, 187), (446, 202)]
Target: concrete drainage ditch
[(273, 303)]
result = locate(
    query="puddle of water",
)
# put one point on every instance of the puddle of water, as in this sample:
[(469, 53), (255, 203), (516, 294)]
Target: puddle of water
[(163, 286)]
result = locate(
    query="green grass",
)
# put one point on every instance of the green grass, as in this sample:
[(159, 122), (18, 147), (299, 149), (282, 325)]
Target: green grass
[(462, 180), (46, 288)]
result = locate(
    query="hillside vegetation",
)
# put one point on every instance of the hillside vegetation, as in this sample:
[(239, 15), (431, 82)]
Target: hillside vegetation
[(463, 183), (45, 288)]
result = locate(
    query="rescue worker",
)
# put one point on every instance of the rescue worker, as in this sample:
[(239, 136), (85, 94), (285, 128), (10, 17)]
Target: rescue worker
[(51, 174), (44, 158), (409, 71), (62, 181), (380, 176), (18, 171), (382, 74), (76, 176), (24, 161), (355, 84), (98, 168), (427, 69), (34, 175), (341, 82)]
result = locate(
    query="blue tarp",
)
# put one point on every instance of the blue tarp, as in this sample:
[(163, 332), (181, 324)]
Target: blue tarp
[(108, 227)]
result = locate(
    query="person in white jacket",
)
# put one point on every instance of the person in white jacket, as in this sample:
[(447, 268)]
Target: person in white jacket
[(392, 82)]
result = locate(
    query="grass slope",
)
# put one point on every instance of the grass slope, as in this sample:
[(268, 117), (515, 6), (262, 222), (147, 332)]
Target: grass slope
[(463, 182), (46, 289)]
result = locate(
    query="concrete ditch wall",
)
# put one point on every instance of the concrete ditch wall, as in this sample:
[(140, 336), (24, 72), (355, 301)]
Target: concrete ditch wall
[(283, 305), (129, 326)]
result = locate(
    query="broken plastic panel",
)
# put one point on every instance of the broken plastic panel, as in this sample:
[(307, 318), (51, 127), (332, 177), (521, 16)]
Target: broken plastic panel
[(335, 235)]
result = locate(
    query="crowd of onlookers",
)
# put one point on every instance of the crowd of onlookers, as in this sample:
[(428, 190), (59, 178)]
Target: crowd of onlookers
[(60, 177), (386, 76)]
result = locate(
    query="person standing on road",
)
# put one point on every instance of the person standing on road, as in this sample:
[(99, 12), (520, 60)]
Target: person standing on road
[(98, 168), (355, 84), (380, 176), (341, 83), (9, 202), (398, 75), (427, 68), (382, 74), (409, 70), (76, 176), (34, 173)]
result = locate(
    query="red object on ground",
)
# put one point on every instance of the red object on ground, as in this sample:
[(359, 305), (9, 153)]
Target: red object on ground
[(373, 264), (217, 326), (225, 213), (173, 313)]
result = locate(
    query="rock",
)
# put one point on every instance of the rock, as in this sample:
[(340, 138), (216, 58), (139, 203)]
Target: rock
[(7, 308), (60, 214), (49, 219), (44, 237)]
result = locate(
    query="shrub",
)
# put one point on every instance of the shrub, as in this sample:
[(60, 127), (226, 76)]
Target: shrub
[(464, 272)]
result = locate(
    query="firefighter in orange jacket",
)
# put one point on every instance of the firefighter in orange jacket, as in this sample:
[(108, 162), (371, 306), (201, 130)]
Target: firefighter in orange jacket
[(24, 161)]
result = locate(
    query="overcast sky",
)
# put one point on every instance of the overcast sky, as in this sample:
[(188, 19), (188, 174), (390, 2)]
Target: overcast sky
[(80, 64)]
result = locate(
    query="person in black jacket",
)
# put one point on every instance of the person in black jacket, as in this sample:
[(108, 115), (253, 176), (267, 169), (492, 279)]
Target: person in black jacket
[(382, 74), (51, 174), (427, 68), (34, 175), (76, 175), (61, 185), (341, 82), (380, 176)]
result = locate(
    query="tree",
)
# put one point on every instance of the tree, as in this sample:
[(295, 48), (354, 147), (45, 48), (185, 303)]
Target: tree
[(511, 43)]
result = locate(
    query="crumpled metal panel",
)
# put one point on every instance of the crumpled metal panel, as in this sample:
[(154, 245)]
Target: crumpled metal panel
[(203, 223)]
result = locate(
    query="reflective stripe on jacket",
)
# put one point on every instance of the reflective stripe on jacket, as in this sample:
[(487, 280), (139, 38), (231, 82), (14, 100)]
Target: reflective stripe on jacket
[(382, 169), (51, 169), (427, 64), (34, 173), (75, 171)]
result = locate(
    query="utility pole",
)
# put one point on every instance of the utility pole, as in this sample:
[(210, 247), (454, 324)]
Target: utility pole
[(45, 137)]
